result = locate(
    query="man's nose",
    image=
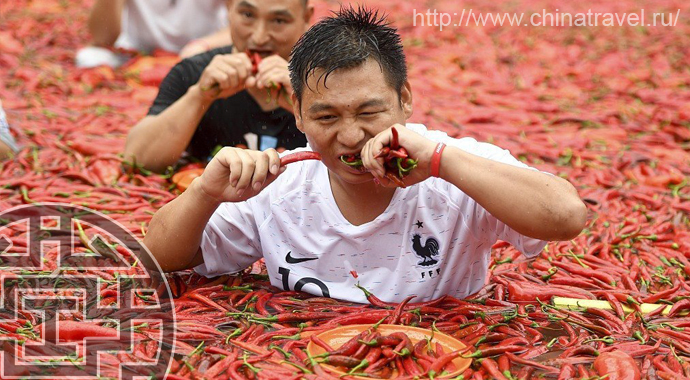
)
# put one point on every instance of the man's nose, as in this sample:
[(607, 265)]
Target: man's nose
[(351, 135), (260, 35)]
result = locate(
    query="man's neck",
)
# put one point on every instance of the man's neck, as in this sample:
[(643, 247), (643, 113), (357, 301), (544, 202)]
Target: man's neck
[(360, 203)]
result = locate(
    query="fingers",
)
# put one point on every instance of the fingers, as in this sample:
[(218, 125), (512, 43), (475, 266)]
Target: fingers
[(260, 171), (253, 168), (235, 165), (229, 72), (226, 76), (235, 174), (273, 78), (274, 161), (247, 171), (273, 71), (369, 152)]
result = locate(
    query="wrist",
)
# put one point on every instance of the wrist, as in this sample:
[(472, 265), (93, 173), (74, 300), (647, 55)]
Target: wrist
[(199, 97), (201, 197)]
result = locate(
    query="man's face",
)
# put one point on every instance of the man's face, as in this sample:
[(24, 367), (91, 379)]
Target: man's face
[(268, 26), (356, 105)]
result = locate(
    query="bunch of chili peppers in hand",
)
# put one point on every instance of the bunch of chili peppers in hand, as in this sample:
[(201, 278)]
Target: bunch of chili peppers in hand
[(397, 161)]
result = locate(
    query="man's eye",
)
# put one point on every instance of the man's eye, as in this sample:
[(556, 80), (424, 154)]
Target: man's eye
[(247, 14), (369, 113), (325, 117), (280, 21)]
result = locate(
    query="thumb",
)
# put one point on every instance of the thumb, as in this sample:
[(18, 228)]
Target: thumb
[(250, 82)]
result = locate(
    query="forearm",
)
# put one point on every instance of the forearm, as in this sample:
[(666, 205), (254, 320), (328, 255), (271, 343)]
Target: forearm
[(532, 203), (5, 150), (105, 20), (175, 232), (157, 142), (218, 39), (211, 41)]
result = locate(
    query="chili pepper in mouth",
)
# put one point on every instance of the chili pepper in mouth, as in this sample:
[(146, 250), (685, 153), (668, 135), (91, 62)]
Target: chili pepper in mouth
[(352, 160), (255, 58)]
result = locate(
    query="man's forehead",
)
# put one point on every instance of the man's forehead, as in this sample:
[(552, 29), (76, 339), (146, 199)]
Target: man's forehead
[(270, 5), (369, 72)]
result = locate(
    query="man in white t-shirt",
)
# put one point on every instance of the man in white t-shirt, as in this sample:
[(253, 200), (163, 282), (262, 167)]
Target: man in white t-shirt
[(8, 146), (187, 27), (322, 226)]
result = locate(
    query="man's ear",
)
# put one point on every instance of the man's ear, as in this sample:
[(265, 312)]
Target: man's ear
[(308, 14), (296, 111), (406, 99)]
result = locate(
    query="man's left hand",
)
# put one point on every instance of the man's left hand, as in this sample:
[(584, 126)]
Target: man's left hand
[(273, 74)]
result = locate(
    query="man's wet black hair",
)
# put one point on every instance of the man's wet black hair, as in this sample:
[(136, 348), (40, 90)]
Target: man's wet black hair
[(344, 41)]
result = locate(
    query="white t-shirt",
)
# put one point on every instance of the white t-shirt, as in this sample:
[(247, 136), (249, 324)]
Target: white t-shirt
[(169, 24), (432, 239)]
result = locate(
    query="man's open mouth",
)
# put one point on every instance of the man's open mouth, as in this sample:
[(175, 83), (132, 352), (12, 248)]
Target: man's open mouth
[(353, 160), (262, 53)]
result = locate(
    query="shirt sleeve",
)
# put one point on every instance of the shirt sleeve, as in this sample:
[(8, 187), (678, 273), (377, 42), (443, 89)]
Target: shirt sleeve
[(5, 135), (230, 242), (484, 225), (180, 78)]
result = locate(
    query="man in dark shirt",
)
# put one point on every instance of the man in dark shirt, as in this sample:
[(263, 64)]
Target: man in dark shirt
[(215, 99)]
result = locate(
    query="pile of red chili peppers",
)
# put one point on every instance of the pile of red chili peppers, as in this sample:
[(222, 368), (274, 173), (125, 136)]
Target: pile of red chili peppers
[(570, 102)]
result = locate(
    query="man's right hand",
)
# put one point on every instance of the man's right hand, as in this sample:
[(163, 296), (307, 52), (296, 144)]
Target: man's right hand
[(235, 175), (225, 76)]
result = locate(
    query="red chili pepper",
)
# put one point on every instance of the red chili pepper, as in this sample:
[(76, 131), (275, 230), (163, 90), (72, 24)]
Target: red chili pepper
[(496, 350), (617, 365), (576, 269), (383, 153), (411, 367), (359, 318), (393, 178), (389, 340), (567, 372), (399, 309), (522, 291), (341, 361), (678, 307), (525, 373), (527, 362), (438, 365), (394, 139), (255, 59), (492, 368), (299, 156), (72, 331), (319, 342), (351, 346), (206, 301)]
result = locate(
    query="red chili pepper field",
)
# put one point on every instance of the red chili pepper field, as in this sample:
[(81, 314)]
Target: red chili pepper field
[(608, 108)]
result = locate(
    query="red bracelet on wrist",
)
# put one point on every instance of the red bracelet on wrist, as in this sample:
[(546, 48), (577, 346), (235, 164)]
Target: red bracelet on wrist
[(436, 159)]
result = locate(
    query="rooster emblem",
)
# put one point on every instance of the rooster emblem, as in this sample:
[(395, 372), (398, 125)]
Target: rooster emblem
[(426, 251)]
